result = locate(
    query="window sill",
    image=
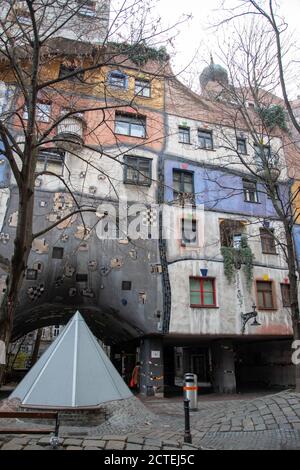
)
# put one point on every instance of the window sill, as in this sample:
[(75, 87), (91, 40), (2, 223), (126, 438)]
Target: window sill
[(273, 309), (116, 87), (204, 306), (184, 143), (132, 136), (269, 253), (136, 183)]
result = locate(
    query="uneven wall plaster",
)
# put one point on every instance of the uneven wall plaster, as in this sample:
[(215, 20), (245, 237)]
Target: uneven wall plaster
[(40, 246), (13, 219)]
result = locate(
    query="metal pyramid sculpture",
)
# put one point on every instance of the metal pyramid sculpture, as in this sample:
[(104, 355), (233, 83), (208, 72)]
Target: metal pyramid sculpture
[(73, 372)]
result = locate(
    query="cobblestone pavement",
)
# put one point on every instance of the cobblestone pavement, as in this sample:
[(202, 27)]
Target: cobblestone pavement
[(263, 422), (257, 421), (89, 443)]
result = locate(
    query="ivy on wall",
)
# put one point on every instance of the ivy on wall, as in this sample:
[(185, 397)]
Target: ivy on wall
[(273, 116), (234, 258), (139, 54)]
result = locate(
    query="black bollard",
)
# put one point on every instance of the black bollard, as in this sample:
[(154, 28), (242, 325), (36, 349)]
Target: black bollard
[(187, 430)]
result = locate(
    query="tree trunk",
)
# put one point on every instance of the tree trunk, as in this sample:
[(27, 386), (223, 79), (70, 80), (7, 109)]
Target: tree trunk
[(36, 348), (293, 293), (22, 247)]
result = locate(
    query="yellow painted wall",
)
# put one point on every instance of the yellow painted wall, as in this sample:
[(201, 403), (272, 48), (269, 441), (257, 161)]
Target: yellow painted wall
[(95, 84), (296, 200)]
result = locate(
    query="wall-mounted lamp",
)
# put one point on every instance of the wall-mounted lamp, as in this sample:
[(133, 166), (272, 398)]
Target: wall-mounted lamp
[(247, 316)]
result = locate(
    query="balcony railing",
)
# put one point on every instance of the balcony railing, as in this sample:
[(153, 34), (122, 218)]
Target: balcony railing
[(70, 131)]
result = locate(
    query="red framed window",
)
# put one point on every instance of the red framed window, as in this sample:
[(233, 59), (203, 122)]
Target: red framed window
[(265, 297), (202, 292)]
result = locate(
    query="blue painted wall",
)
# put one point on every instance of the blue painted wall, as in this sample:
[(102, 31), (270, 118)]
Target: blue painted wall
[(4, 168), (296, 232), (221, 191)]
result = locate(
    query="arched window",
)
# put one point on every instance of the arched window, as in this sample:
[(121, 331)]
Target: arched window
[(118, 79)]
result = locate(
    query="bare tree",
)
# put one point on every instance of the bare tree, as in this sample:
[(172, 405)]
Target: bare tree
[(253, 53), (40, 65)]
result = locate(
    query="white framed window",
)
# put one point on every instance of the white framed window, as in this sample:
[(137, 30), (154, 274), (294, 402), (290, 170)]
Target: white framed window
[(143, 88), (87, 7), (43, 112)]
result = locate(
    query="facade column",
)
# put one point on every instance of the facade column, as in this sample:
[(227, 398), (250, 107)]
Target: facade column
[(223, 369), (152, 366)]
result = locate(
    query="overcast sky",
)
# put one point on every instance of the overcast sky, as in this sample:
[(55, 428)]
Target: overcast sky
[(197, 33)]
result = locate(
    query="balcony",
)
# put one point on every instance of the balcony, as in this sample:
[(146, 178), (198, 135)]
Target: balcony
[(70, 132)]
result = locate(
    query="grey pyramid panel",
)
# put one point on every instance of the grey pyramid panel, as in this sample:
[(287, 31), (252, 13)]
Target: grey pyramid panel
[(73, 372), (98, 381), (32, 378)]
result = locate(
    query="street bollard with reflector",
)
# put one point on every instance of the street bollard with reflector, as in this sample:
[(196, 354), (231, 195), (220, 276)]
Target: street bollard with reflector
[(190, 390)]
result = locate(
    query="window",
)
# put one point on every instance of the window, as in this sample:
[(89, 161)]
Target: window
[(50, 160), (143, 88), (189, 231), (57, 252), (182, 183), (87, 7), (23, 16), (250, 191), (231, 232), (56, 330), (117, 79), (265, 298), (241, 145), (262, 154), (267, 241), (31, 274), (128, 124), (43, 112), (202, 292), (286, 295), (6, 95), (137, 170), (205, 139), (126, 285), (184, 135), (65, 71)]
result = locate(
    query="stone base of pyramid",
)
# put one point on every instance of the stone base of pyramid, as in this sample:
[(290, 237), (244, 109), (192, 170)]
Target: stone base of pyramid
[(72, 416)]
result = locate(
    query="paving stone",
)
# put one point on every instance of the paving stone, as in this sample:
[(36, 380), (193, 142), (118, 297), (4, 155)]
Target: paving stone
[(22, 441), (149, 447), (153, 442), (225, 428), (9, 446), (170, 443), (72, 442), (114, 437), (260, 427), (135, 440), (34, 447), (131, 446), (73, 448), (116, 445), (92, 448), (92, 443), (295, 426)]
